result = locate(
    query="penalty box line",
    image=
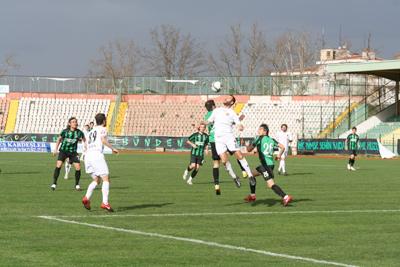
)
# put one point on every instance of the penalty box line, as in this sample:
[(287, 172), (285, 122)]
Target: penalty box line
[(228, 213), (198, 241)]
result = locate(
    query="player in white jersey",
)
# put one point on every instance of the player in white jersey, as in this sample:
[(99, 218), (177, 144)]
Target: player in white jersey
[(284, 138), (86, 131), (225, 119), (95, 163)]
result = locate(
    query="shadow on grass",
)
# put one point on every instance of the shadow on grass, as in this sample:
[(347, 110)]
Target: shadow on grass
[(269, 202), (212, 182), (296, 174), (273, 201), (28, 172), (143, 206)]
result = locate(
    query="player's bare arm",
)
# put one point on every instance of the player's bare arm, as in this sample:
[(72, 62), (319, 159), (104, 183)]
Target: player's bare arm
[(59, 140), (191, 144), (107, 144), (84, 144)]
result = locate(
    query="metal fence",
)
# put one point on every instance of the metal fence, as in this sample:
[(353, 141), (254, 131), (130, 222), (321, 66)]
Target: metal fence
[(266, 85)]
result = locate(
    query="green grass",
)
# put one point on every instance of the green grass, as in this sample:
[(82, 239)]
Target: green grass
[(152, 184)]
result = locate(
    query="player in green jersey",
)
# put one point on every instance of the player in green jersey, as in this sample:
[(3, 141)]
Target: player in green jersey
[(69, 139), (265, 147), (199, 142), (352, 145)]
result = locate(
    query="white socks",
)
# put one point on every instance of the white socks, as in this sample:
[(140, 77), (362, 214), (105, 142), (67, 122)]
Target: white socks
[(67, 168), (90, 189), (246, 166), (105, 189), (282, 165), (229, 169)]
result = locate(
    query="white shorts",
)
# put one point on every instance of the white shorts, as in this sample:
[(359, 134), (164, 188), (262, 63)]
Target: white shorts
[(225, 143), (96, 165)]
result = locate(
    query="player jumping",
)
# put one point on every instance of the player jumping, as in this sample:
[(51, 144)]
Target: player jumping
[(199, 142), (95, 163), (352, 145), (265, 146), (69, 139), (224, 119), (210, 106), (284, 138)]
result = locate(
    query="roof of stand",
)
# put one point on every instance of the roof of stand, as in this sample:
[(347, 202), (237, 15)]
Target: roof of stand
[(389, 69)]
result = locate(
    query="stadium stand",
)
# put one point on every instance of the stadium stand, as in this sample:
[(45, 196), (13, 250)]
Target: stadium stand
[(4, 105), (149, 117), (163, 115), (383, 129), (308, 117), (50, 115)]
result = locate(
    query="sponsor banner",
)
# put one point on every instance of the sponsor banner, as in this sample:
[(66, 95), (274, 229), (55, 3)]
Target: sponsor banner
[(22, 146), (149, 142), (29, 137), (336, 146), (119, 142)]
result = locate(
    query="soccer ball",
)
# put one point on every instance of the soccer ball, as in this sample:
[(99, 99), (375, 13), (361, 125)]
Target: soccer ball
[(216, 86)]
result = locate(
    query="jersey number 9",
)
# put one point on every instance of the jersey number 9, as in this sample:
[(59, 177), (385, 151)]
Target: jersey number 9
[(92, 137)]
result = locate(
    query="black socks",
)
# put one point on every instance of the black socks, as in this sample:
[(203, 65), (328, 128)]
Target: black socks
[(194, 173), (56, 174), (77, 177), (278, 190), (253, 183), (216, 175)]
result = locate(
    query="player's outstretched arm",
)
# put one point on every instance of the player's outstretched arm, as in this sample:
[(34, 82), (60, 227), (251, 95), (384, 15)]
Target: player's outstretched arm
[(107, 144)]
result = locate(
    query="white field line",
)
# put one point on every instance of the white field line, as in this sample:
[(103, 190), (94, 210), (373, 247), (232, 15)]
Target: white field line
[(198, 241), (227, 213)]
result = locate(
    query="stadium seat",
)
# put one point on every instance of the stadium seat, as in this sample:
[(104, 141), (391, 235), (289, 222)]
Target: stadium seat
[(50, 115)]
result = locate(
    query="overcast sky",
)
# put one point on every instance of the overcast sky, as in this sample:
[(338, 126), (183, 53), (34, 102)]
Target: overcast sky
[(58, 38)]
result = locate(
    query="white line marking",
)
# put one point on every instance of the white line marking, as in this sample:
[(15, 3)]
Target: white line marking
[(201, 242), (228, 213)]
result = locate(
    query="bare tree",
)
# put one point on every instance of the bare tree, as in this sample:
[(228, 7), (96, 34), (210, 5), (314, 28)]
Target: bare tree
[(173, 54), (7, 64), (117, 60), (293, 52), (239, 54)]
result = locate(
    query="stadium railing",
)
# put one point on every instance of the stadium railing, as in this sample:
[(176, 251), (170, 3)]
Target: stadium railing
[(265, 85)]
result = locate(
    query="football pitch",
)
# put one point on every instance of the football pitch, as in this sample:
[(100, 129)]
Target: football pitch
[(337, 218)]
